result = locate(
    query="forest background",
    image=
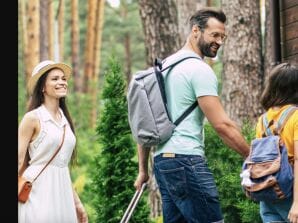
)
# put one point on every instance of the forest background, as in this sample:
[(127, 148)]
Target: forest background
[(106, 43)]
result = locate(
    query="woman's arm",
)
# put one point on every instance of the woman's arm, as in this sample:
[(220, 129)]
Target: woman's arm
[(293, 214), (28, 130), (81, 213)]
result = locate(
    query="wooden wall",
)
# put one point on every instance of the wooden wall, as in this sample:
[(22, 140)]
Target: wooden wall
[(289, 30)]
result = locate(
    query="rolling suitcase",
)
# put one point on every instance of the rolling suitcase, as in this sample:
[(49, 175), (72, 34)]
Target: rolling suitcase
[(132, 205)]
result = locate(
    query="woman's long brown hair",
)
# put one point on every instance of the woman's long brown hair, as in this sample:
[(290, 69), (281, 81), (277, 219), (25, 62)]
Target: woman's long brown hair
[(37, 99)]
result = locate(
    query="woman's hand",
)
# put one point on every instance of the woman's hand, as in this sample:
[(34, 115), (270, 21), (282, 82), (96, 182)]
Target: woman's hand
[(81, 213)]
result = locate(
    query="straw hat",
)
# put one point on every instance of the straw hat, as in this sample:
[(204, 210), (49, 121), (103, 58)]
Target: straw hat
[(42, 68)]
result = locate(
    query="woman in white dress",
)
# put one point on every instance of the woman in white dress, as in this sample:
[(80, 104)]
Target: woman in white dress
[(52, 198)]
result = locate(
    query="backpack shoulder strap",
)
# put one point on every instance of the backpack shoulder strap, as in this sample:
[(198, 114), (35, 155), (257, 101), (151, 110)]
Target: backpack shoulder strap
[(158, 72), (186, 112), (266, 125), (284, 118), (174, 64)]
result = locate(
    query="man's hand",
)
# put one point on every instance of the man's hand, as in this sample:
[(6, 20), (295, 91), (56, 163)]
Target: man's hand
[(141, 178)]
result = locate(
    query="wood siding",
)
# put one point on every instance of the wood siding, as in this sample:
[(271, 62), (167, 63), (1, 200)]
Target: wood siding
[(289, 30)]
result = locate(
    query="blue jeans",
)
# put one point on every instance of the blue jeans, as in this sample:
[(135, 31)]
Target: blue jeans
[(277, 211), (188, 190)]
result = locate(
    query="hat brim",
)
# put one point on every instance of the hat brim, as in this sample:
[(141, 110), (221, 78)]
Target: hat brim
[(33, 80)]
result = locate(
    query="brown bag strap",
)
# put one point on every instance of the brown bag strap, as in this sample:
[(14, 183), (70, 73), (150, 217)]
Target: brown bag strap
[(58, 149)]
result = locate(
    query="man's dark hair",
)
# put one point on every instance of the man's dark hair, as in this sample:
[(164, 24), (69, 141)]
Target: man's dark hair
[(281, 86), (200, 18)]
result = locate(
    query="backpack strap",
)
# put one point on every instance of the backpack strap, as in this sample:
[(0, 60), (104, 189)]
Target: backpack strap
[(266, 125), (278, 127), (158, 72), (161, 83), (157, 62), (186, 112)]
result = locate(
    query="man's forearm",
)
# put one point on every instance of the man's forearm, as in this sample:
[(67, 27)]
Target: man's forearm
[(233, 138), (224, 126), (143, 155)]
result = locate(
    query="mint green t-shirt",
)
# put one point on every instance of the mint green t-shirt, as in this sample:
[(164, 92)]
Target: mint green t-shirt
[(186, 82)]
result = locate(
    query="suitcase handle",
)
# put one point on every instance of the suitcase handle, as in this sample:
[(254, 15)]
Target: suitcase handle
[(135, 199)]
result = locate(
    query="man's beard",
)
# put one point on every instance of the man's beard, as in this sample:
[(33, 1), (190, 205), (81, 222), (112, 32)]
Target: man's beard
[(206, 48)]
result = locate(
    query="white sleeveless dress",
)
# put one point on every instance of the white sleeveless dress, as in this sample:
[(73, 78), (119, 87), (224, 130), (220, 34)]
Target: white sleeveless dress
[(51, 199)]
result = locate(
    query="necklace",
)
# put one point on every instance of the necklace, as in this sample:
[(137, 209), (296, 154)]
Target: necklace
[(57, 117)]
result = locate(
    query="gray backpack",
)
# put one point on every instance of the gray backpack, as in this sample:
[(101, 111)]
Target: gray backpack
[(148, 115)]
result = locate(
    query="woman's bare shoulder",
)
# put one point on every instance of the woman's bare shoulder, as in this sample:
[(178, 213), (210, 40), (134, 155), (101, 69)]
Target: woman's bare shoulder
[(30, 118)]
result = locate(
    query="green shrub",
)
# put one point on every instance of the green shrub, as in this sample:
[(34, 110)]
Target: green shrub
[(115, 167), (226, 165)]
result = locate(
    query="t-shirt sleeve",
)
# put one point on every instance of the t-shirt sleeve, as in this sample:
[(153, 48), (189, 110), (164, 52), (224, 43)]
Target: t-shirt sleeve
[(204, 81)]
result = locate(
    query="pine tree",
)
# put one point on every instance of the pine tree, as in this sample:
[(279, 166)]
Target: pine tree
[(116, 166)]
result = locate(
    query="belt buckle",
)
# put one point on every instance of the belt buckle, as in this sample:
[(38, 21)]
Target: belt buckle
[(168, 155)]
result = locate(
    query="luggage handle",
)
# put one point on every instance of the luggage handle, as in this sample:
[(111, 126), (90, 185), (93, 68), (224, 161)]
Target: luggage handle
[(132, 204)]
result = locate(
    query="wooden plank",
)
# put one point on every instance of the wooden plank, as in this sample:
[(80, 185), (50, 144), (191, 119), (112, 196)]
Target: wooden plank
[(291, 59), (285, 4), (289, 32), (289, 15), (290, 47)]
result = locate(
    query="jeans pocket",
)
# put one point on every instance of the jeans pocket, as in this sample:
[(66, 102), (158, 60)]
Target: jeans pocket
[(206, 180), (175, 181)]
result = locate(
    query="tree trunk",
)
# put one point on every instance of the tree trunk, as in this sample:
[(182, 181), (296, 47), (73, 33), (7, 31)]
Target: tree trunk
[(154, 194), (97, 46), (32, 57), (160, 26), (98, 35), (161, 32), (44, 30), (75, 46), (268, 46), (242, 60), (127, 50), (22, 37), (60, 18), (89, 47), (185, 9), (127, 47), (51, 29)]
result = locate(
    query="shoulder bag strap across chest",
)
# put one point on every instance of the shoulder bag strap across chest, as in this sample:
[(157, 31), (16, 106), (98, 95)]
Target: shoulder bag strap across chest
[(57, 150)]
